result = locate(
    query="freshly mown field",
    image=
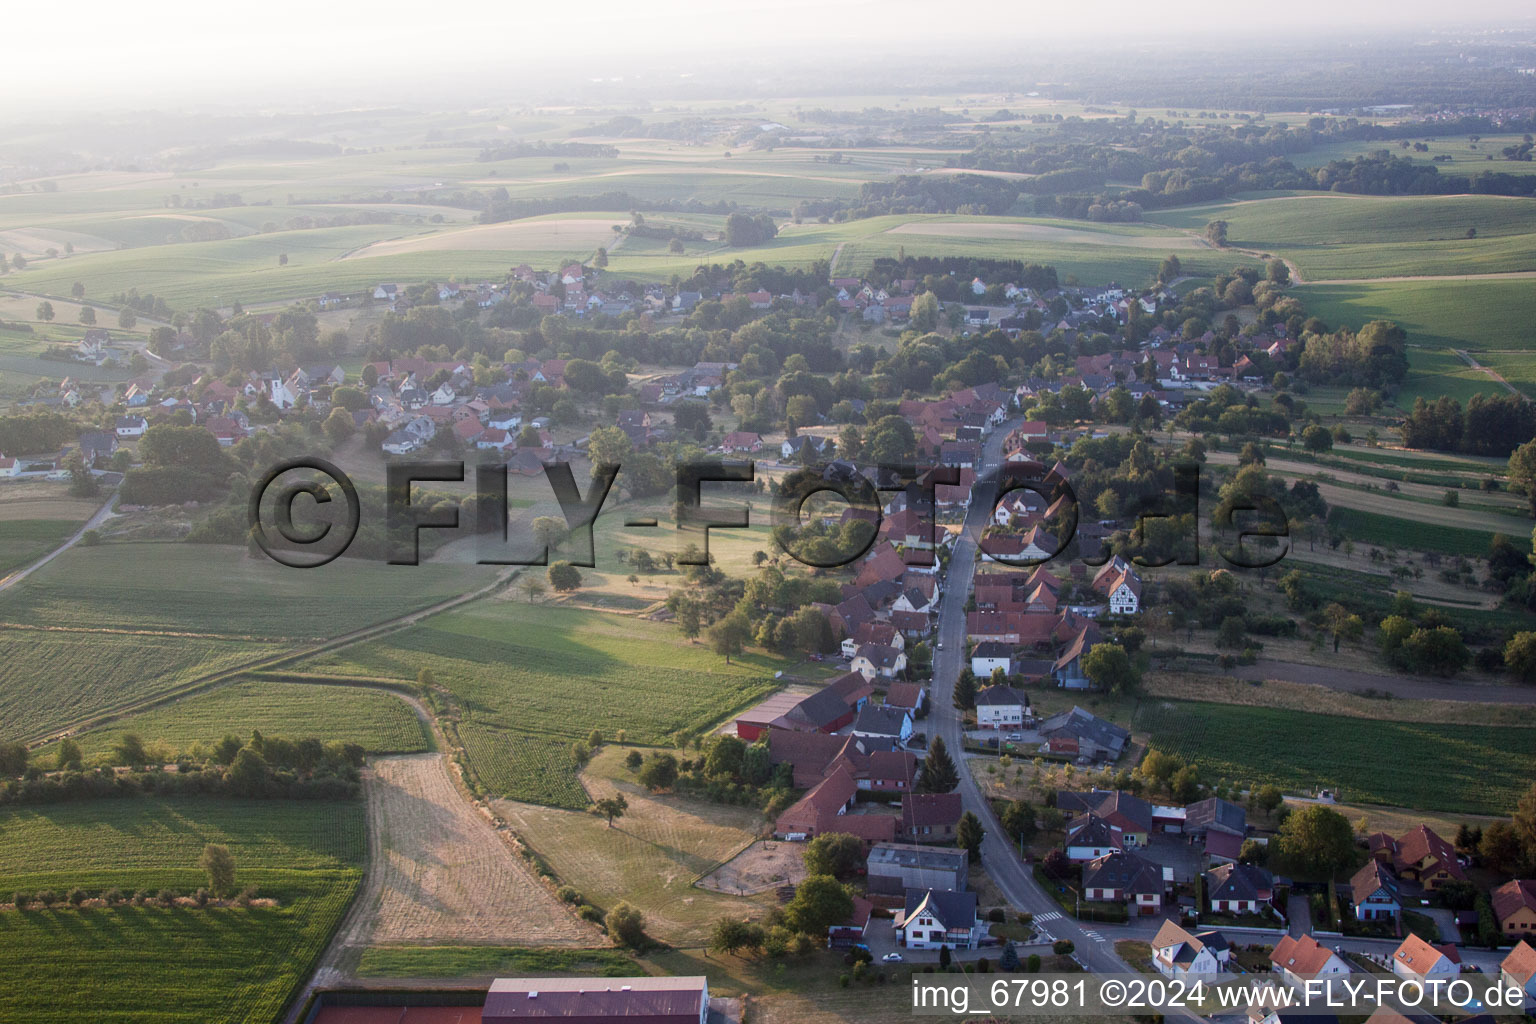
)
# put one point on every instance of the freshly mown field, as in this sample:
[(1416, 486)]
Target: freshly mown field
[(1477, 769), (380, 722), (651, 857), (155, 964), (1472, 315), (199, 588), (531, 678), (50, 679)]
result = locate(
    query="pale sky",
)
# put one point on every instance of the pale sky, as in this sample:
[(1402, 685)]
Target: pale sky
[(121, 52)]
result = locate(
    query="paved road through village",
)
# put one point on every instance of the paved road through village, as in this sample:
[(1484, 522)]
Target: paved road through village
[(1094, 948)]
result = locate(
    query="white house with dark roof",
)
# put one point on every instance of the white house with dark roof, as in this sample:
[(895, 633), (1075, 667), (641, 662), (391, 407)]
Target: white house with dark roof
[(1001, 707), (936, 917), (1178, 954)]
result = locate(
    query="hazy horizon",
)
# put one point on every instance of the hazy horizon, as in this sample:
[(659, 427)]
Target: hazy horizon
[(296, 55)]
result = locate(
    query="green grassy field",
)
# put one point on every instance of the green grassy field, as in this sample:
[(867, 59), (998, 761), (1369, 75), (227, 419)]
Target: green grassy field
[(155, 964), (490, 962), (1477, 769), (1364, 527), (24, 541), (51, 679), (1519, 368), (379, 721), (1471, 315), (1466, 157), (1433, 372), (532, 678), (197, 588), (1332, 236)]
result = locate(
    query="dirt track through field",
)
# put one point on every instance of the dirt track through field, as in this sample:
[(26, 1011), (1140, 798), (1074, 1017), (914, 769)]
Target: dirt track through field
[(439, 871)]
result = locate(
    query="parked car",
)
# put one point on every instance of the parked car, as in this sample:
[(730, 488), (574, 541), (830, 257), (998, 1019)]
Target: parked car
[(891, 958)]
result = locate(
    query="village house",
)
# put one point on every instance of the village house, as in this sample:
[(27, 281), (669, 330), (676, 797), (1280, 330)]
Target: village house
[(825, 809), (1089, 837), (882, 722), (1130, 815), (1514, 906), (931, 817), (1299, 959), (1123, 877), (874, 660), (990, 655), (1081, 733), (131, 426), (1178, 954), (1519, 970), (1419, 960), (908, 697), (1120, 584), (1001, 707), (1373, 891), (1420, 855), (938, 917), (1239, 889)]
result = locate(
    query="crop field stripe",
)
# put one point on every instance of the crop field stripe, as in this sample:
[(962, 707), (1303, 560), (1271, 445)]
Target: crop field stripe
[(1478, 769)]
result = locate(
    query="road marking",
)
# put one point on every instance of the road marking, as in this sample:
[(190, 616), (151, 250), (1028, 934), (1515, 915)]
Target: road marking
[(1095, 936), (1052, 916)]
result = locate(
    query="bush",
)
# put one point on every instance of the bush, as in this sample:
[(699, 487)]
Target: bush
[(1061, 947), (626, 925), (75, 896), (200, 897), (1032, 965), (587, 912), (567, 894), (166, 898), (997, 915), (983, 966), (47, 897), (112, 896), (19, 900), (246, 895)]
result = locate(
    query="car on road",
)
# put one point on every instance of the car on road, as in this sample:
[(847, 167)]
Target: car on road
[(1015, 735), (891, 958), (941, 645)]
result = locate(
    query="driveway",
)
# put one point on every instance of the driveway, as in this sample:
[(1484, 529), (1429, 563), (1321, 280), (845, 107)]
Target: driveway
[(1298, 910)]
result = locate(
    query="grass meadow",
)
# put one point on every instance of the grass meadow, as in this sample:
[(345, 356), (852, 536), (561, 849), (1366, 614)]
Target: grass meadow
[(1471, 315), (379, 721), (221, 590), (530, 679), (1336, 236), (651, 857), (1480, 769), (155, 964)]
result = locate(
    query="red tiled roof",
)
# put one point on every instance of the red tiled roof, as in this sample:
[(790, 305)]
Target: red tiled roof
[(1302, 956), (1521, 963)]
